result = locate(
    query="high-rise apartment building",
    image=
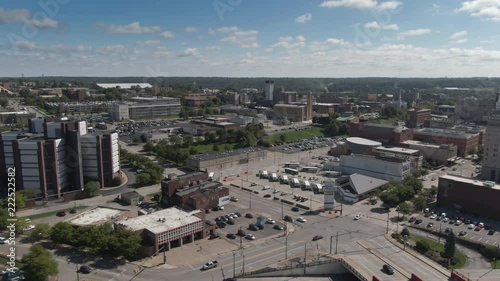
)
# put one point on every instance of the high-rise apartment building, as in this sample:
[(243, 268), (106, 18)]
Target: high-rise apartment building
[(491, 158), (57, 156), (269, 90)]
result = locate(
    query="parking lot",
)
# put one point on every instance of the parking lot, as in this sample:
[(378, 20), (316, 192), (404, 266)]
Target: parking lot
[(464, 229), (242, 223), (304, 145)]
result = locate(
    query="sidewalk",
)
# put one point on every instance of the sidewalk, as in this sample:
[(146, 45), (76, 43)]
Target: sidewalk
[(90, 202)]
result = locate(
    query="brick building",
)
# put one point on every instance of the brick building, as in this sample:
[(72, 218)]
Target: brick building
[(456, 192), (464, 141), (417, 117), (386, 134)]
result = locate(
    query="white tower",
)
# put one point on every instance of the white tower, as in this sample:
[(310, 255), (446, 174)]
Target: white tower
[(269, 89)]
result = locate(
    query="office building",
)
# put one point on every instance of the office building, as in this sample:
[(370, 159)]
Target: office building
[(361, 145), (437, 153), (417, 117), (269, 90), (353, 188), (474, 109), (491, 154), (456, 192), (20, 117), (465, 142), (389, 169), (57, 156), (146, 108), (216, 161)]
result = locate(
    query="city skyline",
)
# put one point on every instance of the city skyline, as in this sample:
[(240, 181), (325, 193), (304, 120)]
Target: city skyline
[(336, 38)]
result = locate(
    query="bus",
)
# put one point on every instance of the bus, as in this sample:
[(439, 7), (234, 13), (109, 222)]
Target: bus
[(284, 179), (291, 171), (264, 175), (307, 185), (310, 169), (274, 177), (333, 174), (295, 182), (292, 165)]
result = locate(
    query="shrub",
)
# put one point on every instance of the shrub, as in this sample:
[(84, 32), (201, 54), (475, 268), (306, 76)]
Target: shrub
[(454, 260), (117, 181), (422, 246), (396, 236), (406, 232)]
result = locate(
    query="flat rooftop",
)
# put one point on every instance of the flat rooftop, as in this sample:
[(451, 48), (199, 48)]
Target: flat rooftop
[(174, 218), (96, 216), (444, 132), (289, 105), (363, 141), (398, 150), (218, 155), (421, 143), (470, 181)]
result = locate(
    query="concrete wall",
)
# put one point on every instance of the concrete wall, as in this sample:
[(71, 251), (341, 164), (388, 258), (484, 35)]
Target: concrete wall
[(321, 269)]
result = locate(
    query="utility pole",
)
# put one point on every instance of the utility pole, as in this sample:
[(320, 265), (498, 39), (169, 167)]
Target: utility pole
[(234, 264), (286, 243), (310, 203), (251, 191), (165, 254), (439, 236), (282, 217), (331, 238), (336, 242), (77, 273), (241, 242), (387, 231), (305, 256), (243, 255)]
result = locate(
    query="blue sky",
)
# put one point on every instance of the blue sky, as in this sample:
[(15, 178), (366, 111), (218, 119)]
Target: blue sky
[(244, 38)]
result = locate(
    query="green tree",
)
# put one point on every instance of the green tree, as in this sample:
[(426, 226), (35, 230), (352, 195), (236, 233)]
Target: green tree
[(4, 215), (149, 146), (188, 140), (419, 202), (423, 246), (215, 147), (126, 243), (175, 140), (4, 102), (192, 150), (450, 246), (93, 188), (62, 233), (282, 138), (331, 130), (40, 232), (117, 180), (143, 179), (404, 208), (39, 264)]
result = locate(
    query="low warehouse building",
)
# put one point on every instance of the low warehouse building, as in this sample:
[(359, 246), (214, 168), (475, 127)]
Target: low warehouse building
[(98, 216), (165, 229)]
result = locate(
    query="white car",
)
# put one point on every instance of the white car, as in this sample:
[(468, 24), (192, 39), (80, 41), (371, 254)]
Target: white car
[(446, 220), (250, 237), (29, 227), (458, 222), (270, 221), (357, 217), (433, 217), (471, 226), (3, 240), (301, 219)]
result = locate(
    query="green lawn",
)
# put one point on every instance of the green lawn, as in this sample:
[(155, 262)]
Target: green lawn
[(495, 265), (296, 135), (462, 259), (51, 213)]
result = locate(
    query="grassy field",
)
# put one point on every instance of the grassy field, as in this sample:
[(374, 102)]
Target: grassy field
[(495, 265), (296, 135), (462, 259), (51, 213)]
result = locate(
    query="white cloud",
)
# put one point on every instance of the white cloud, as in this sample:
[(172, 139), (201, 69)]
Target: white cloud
[(161, 52), (148, 42), (189, 52), (461, 41), (190, 29), (488, 9), (300, 38), (32, 46), (316, 46), (227, 29), (414, 32), (376, 25), (303, 18), (458, 35), (241, 38), (362, 4), (132, 28), (289, 43), (167, 34), (25, 16), (213, 48)]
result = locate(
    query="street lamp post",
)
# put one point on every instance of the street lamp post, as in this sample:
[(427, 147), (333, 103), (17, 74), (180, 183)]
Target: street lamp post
[(336, 242), (331, 238), (77, 272), (286, 242), (439, 236), (305, 256), (243, 255), (387, 231)]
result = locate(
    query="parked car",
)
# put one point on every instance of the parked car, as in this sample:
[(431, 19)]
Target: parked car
[(85, 269), (412, 219), (260, 226), (388, 269), (253, 227), (433, 217), (230, 222), (419, 221), (234, 199), (249, 216), (231, 236), (471, 226), (267, 196), (278, 227), (317, 237), (478, 228), (491, 232), (301, 219), (61, 213), (357, 217), (458, 222), (214, 236), (429, 225), (250, 237), (462, 233), (209, 265), (270, 221), (295, 209)]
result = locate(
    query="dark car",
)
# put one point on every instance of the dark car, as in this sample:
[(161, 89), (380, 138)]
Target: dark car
[(61, 213), (207, 211), (85, 269), (241, 233), (267, 196), (487, 227), (221, 224), (231, 236), (231, 222), (278, 227), (72, 211), (388, 269), (317, 237), (288, 219), (419, 221), (214, 236), (295, 209), (249, 216), (429, 225), (260, 226), (491, 232), (253, 227), (447, 230)]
